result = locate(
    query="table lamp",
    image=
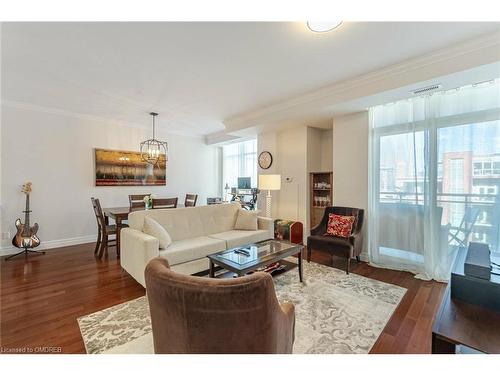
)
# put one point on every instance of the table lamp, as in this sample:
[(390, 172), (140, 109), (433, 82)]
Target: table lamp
[(269, 182)]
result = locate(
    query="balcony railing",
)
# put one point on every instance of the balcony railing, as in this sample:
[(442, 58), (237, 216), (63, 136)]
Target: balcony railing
[(483, 227)]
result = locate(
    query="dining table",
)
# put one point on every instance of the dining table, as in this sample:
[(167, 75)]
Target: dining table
[(119, 215)]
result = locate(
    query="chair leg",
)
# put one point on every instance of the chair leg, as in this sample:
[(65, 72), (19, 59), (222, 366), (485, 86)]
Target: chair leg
[(347, 267), (357, 258), (98, 242), (117, 247), (104, 245), (309, 254)]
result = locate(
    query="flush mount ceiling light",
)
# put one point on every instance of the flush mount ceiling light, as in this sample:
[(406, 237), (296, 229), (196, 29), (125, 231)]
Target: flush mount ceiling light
[(323, 27), (152, 149)]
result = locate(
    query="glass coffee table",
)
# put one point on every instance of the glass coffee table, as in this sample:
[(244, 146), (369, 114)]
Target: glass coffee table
[(244, 259)]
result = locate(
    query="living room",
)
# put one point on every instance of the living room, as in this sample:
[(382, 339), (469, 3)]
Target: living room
[(261, 187)]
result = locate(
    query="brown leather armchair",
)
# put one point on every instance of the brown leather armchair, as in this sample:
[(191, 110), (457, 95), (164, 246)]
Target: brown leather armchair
[(343, 247), (192, 314)]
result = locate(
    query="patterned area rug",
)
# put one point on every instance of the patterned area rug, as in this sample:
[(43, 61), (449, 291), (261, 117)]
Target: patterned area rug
[(335, 313)]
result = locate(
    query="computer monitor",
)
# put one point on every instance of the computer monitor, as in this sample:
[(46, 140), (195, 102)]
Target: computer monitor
[(244, 183)]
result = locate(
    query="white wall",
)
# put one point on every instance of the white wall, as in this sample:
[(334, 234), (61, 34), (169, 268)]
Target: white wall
[(292, 146), (55, 152), (350, 163), (268, 142), (326, 150), (296, 152), (289, 160), (314, 149)]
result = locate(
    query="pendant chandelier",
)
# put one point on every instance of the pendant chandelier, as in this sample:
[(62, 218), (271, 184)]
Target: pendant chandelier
[(152, 149)]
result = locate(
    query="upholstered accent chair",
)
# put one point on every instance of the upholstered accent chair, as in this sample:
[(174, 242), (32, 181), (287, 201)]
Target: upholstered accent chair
[(338, 246), (192, 315)]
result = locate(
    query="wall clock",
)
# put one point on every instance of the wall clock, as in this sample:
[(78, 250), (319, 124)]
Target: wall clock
[(265, 160)]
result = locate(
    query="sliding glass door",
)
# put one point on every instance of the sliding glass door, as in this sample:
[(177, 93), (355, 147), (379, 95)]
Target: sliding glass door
[(434, 178), (468, 182)]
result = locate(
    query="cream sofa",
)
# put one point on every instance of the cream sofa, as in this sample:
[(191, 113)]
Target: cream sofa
[(195, 231)]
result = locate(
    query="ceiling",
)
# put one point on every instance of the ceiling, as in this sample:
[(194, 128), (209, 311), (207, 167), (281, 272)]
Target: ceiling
[(197, 75)]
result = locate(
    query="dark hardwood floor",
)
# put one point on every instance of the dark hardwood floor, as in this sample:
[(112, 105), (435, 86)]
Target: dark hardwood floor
[(41, 298)]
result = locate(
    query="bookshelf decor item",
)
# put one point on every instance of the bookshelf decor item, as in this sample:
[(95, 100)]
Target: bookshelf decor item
[(321, 195)]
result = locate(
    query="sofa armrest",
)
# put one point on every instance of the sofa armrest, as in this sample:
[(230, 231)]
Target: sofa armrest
[(286, 327), (356, 240), (318, 230), (136, 250), (266, 223)]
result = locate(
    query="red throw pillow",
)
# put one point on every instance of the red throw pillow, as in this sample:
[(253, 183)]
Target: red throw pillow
[(339, 226)]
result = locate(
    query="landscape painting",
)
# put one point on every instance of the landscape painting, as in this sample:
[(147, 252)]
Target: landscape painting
[(126, 168)]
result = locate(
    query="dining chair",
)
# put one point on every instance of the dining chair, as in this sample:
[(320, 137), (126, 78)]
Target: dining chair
[(165, 202), (460, 235), (136, 200), (190, 200), (104, 230)]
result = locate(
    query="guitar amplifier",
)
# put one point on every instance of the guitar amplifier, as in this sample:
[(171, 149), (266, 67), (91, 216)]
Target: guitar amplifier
[(477, 261), (472, 279), (289, 230)]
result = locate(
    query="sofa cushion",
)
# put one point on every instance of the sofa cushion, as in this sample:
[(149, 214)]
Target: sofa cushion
[(340, 246), (154, 229), (189, 222), (246, 220), (235, 238), (192, 248)]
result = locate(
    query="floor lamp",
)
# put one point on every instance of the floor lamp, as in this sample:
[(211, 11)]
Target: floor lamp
[(226, 189), (269, 182)]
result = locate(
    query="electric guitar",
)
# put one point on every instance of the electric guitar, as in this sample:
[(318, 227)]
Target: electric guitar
[(26, 237)]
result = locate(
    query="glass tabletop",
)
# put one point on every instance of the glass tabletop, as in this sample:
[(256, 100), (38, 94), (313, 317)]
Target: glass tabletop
[(254, 253)]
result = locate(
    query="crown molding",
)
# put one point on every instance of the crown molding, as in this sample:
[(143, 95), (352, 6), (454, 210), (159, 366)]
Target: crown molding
[(86, 117), (62, 112), (219, 138), (474, 52)]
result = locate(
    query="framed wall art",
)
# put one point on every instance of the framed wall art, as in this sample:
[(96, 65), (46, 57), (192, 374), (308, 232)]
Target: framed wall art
[(126, 168)]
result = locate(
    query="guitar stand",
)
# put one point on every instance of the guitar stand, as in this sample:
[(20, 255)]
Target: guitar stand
[(26, 251)]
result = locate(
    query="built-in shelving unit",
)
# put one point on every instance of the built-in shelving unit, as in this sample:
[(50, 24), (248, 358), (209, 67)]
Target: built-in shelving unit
[(321, 188)]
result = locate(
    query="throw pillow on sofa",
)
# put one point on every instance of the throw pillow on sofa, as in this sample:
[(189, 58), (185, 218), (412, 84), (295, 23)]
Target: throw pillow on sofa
[(339, 226), (153, 228), (246, 220)]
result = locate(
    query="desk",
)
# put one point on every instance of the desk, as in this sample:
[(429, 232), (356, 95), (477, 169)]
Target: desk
[(119, 214), (241, 196)]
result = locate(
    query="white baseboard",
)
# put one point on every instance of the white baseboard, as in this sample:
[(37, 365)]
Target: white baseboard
[(8, 250)]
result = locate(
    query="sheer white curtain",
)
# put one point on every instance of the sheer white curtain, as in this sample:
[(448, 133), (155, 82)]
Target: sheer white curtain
[(239, 160), (434, 185)]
